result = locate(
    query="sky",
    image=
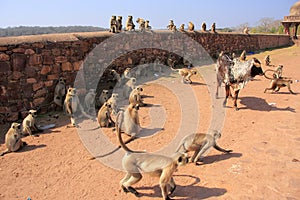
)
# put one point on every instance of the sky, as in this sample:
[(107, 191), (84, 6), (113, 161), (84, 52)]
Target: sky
[(225, 13)]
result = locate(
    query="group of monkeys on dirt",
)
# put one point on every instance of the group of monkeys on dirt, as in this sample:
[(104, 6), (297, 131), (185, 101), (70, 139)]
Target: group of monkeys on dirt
[(127, 121), (116, 25)]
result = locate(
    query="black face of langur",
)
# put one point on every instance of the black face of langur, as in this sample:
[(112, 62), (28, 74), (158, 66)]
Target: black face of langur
[(33, 113)]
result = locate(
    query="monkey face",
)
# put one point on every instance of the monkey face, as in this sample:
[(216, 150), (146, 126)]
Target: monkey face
[(72, 91), (16, 126), (140, 89), (115, 95), (62, 80), (181, 158), (105, 92), (33, 113), (92, 91)]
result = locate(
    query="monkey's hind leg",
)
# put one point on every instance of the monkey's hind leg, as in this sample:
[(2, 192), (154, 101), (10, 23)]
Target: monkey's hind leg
[(129, 180), (4, 152)]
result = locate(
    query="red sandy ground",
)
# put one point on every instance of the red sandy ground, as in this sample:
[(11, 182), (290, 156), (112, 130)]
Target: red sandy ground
[(265, 163)]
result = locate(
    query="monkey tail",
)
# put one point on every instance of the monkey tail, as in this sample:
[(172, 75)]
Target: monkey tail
[(176, 70), (270, 70), (122, 144)]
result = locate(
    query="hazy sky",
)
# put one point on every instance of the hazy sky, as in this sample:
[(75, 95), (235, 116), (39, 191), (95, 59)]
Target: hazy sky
[(226, 13)]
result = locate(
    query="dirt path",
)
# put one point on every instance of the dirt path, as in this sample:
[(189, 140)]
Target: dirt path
[(264, 135)]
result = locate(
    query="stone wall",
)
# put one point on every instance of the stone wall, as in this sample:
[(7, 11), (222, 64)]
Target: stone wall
[(31, 65)]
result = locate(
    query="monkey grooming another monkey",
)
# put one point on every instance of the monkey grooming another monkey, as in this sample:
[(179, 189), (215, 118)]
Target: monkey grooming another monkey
[(13, 140), (136, 162), (186, 74), (200, 143), (29, 123)]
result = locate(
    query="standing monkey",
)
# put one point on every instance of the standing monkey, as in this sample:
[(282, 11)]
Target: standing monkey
[(135, 162), (13, 140), (200, 143), (113, 24), (119, 24), (60, 92), (186, 74)]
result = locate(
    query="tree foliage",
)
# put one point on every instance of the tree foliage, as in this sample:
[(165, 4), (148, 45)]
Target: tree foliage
[(35, 30)]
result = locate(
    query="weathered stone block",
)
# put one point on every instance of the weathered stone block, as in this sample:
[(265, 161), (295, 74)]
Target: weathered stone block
[(45, 69), (18, 50), (67, 66), (29, 52), (40, 93), (30, 71), (48, 60), (27, 91), (48, 83), (77, 65), (3, 48), (38, 101), (4, 57), (38, 45), (13, 116), (4, 67), (37, 86), (18, 62), (61, 59), (56, 52), (53, 77), (16, 75), (31, 80), (35, 59)]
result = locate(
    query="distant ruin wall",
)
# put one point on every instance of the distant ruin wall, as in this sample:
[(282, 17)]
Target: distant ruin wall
[(31, 65)]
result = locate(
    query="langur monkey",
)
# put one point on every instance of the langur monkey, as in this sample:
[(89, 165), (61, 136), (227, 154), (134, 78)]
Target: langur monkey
[(125, 76), (191, 27), (278, 81), (13, 140), (104, 119), (89, 100), (29, 123), (200, 143), (128, 87), (129, 121), (72, 105), (116, 77), (103, 97), (60, 92), (135, 162), (135, 96), (113, 101), (186, 74)]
